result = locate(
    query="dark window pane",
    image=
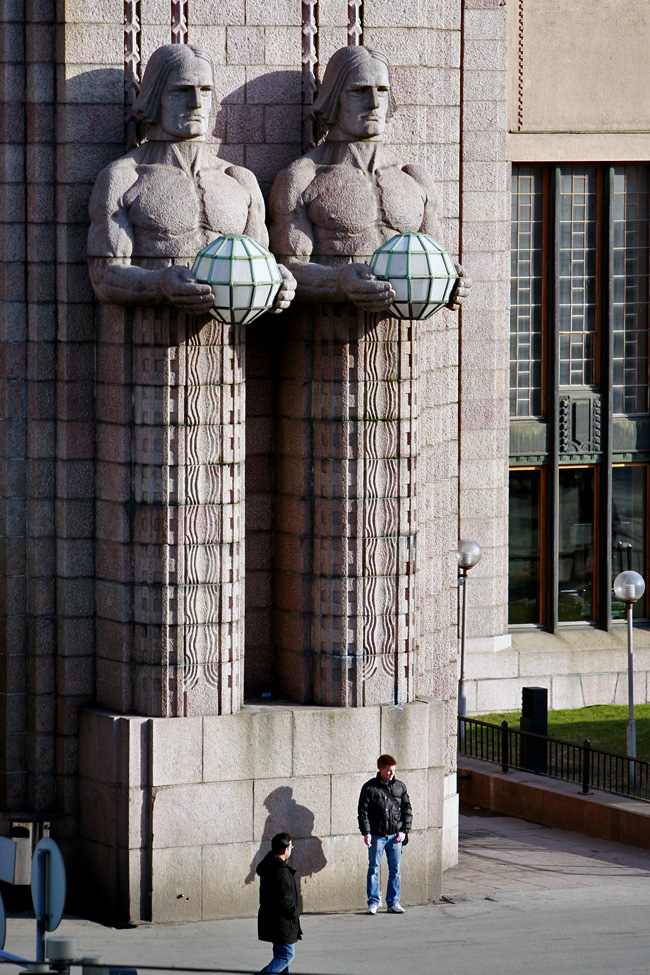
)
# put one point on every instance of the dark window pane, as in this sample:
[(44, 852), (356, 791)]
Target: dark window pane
[(524, 547), (576, 544), (628, 530)]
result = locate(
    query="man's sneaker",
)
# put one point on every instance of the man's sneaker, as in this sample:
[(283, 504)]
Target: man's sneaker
[(371, 909), (395, 908)]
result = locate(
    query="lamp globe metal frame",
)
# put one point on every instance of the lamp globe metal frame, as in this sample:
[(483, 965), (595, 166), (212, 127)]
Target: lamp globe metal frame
[(629, 586), (420, 272), (244, 277)]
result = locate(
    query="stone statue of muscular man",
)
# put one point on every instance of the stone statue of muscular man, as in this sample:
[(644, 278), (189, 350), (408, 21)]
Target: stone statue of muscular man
[(332, 208), (356, 368), (153, 209), (183, 389)]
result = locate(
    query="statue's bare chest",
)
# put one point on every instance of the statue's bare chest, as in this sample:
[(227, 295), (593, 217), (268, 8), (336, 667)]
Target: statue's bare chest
[(346, 200), (165, 202)]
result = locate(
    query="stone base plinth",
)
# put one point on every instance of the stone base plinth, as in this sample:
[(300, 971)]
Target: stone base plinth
[(580, 666), (177, 812)]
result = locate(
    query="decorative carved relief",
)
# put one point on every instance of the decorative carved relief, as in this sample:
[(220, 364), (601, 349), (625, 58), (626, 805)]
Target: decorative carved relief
[(355, 22), (309, 67), (179, 12), (132, 70), (520, 66), (580, 424)]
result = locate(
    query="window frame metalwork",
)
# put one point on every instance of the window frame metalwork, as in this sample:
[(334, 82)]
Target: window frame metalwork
[(537, 441)]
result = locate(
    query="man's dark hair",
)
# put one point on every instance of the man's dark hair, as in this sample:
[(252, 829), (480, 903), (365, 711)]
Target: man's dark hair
[(385, 761), (280, 842)]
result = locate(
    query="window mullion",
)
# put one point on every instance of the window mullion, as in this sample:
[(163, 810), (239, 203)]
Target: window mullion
[(553, 402), (606, 382)]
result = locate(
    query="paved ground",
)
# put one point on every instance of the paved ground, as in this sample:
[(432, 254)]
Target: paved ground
[(498, 853), (523, 898)]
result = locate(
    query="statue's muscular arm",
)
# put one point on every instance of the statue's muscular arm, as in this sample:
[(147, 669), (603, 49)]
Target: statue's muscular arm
[(431, 225), (292, 241), (110, 248), (256, 228)]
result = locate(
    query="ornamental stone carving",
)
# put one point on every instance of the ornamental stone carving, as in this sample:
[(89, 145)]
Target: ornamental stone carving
[(176, 643), (346, 607)]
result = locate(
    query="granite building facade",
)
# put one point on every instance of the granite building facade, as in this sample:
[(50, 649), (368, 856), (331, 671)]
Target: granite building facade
[(156, 783)]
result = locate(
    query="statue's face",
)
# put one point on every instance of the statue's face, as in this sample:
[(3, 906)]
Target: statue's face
[(364, 101), (186, 100)]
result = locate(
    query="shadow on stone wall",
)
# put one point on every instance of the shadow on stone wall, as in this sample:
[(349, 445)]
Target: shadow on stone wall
[(284, 813), (259, 124)]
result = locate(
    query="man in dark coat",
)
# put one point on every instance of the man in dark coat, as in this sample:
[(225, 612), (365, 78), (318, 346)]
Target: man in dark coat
[(278, 919), (385, 818)]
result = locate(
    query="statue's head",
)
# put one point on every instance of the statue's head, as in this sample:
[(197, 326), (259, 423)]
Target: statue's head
[(176, 92), (355, 98)]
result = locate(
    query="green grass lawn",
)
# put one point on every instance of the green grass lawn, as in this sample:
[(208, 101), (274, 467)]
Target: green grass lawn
[(604, 726)]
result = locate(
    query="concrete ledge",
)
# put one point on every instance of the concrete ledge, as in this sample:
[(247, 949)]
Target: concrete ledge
[(551, 802)]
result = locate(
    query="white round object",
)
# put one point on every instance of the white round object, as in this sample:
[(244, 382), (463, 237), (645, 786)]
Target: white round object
[(420, 271), (244, 277), (629, 586), (60, 948)]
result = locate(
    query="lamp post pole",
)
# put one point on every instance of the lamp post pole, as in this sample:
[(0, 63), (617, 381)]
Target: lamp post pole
[(469, 553), (629, 586), (631, 724)]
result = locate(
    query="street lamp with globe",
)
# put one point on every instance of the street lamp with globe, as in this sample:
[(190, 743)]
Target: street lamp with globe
[(629, 586), (469, 554)]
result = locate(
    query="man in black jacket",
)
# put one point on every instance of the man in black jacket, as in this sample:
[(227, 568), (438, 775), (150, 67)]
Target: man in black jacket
[(278, 919), (385, 818)]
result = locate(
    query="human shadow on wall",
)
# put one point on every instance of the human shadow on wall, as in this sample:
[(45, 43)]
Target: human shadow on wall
[(285, 814)]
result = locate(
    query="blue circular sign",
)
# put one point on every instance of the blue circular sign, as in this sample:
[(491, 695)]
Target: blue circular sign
[(3, 924), (48, 883)]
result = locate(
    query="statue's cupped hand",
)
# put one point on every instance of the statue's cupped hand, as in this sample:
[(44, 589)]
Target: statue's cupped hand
[(287, 291), (360, 285), (183, 290)]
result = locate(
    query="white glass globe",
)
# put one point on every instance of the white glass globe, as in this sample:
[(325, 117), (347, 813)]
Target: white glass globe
[(420, 271), (629, 586), (244, 277), (469, 553)]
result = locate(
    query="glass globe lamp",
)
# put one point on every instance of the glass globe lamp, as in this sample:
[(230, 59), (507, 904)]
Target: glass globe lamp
[(469, 553), (629, 586), (420, 271), (244, 277)]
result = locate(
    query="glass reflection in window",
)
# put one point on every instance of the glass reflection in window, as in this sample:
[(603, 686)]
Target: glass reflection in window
[(524, 547), (628, 530), (576, 544)]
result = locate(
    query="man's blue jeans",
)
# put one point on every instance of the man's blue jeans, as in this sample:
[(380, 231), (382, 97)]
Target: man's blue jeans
[(393, 856), (283, 955)]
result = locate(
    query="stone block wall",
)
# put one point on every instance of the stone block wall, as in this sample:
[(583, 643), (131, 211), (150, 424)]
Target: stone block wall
[(186, 807), (68, 77), (484, 356), (48, 438)]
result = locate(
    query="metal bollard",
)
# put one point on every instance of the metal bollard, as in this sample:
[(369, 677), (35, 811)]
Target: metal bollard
[(586, 752)]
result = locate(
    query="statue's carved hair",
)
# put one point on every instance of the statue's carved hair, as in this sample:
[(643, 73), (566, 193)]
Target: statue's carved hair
[(163, 60), (339, 67)]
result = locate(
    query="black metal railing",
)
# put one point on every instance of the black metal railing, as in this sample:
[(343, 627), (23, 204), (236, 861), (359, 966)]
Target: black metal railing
[(590, 767)]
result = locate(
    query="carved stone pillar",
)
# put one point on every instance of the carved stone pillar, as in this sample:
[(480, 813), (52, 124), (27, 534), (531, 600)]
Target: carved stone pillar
[(183, 610), (345, 602)]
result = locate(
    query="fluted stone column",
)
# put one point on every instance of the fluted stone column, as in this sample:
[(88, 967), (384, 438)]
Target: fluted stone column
[(346, 524), (184, 505)]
